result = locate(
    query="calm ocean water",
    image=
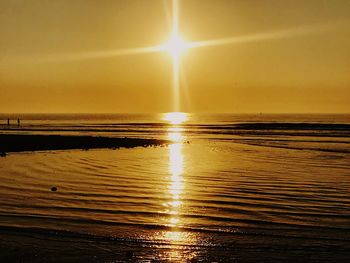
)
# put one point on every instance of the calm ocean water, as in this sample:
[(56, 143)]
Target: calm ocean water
[(228, 185)]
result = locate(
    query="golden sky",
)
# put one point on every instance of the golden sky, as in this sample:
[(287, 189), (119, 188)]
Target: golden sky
[(292, 56)]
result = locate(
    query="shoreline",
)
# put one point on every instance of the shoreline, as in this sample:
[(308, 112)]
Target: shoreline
[(31, 246), (22, 143)]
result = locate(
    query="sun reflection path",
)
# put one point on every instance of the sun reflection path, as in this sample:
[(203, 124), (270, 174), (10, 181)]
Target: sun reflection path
[(175, 117), (176, 171), (176, 179), (176, 165), (176, 236)]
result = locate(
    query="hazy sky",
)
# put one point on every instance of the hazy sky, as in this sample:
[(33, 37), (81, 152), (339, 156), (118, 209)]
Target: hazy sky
[(296, 57)]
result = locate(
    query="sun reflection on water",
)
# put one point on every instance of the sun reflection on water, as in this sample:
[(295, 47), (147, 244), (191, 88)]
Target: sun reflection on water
[(175, 235), (175, 130), (175, 134), (175, 117), (176, 166), (176, 171), (176, 182)]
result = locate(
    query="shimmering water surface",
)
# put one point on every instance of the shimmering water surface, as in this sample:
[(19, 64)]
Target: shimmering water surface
[(227, 184)]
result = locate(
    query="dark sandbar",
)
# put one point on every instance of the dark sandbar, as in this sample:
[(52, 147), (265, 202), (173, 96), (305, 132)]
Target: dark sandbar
[(19, 143)]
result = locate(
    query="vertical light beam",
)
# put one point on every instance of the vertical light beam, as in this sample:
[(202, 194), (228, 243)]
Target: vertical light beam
[(176, 83), (176, 56)]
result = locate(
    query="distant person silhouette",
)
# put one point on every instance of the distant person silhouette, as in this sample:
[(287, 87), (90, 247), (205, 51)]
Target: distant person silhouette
[(8, 121), (18, 122)]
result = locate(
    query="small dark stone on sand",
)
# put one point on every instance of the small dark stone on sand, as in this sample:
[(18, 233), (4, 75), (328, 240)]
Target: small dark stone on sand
[(53, 188), (3, 154)]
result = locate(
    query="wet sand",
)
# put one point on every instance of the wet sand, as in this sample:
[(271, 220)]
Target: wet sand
[(29, 246), (19, 143)]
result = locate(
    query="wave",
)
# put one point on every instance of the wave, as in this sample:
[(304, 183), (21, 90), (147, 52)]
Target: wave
[(258, 128), (322, 146)]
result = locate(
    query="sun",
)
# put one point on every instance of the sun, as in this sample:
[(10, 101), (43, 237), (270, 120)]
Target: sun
[(175, 46)]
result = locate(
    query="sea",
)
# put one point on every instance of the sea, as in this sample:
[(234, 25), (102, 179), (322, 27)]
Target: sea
[(227, 188)]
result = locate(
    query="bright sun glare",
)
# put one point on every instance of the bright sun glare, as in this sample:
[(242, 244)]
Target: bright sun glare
[(175, 45), (175, 117)]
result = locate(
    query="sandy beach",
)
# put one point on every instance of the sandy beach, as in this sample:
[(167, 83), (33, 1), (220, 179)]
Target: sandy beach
[(19, 143)]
